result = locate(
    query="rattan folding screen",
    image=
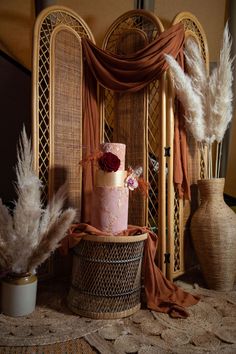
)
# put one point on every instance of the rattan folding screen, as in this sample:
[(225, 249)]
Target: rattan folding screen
[(57, 102), (138, 120), (180, 253), (143, 121)]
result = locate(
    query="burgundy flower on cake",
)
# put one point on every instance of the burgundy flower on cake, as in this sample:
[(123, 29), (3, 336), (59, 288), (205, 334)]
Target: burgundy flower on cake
[(109, 162)]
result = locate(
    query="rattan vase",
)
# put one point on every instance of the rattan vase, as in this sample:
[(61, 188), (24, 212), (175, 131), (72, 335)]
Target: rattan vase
[(213, 230)]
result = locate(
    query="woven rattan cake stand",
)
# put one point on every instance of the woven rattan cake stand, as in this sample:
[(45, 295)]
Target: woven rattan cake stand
[(106, 276)]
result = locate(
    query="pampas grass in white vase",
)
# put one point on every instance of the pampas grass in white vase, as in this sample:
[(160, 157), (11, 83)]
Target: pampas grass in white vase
[(29, 233)]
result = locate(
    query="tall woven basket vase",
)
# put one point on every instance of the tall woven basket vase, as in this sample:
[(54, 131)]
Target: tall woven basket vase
[(213, 230)]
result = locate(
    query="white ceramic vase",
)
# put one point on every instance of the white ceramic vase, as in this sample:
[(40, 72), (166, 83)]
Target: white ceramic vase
[(18, 294)]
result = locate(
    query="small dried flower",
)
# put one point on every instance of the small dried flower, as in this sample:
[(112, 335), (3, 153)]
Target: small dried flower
[(109, 162), (131, 182)]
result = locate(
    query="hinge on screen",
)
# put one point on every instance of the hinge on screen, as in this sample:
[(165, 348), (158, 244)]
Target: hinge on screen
[(167, 151), (167, 257)]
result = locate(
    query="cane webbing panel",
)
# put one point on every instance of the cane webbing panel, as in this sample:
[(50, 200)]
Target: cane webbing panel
[(48, 22), (182, 209), (154, 150), (130, 120), (66, 117), (176, 233), (134, 118)]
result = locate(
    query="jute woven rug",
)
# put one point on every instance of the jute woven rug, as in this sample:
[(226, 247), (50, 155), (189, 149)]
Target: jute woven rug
[(52, 328)]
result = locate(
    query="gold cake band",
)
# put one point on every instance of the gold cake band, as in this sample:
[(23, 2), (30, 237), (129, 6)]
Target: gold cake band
[(110, 179)]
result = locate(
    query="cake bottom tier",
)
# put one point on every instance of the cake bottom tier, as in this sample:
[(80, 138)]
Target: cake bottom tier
[(110, 209)]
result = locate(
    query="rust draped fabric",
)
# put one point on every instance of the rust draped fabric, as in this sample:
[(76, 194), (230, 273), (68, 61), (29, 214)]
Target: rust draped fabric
[(128, 73), (161, 294)]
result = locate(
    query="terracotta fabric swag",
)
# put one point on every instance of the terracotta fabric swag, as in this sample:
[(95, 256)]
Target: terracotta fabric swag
[(128, 73), (161, 294)]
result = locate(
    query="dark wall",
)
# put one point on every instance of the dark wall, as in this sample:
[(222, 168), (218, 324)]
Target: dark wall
[(15, 110)]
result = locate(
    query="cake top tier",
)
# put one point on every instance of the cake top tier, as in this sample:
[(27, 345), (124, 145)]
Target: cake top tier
[(116, 149)]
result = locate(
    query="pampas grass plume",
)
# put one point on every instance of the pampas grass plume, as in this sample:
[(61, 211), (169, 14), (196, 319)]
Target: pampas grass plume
[(207, 100), (30, 233), (190, 99)]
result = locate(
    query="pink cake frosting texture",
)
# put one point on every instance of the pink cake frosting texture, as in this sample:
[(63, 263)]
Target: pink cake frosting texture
[(110, 209), (110, 202)]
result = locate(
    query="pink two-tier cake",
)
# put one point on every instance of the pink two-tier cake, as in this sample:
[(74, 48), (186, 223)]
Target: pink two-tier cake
[(111, 196)]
